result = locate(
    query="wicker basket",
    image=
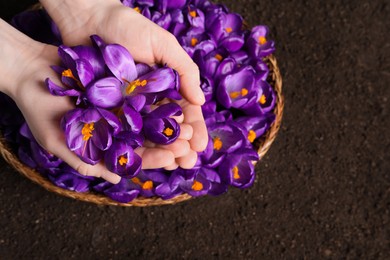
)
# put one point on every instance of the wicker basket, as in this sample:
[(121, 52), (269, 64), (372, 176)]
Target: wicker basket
[(263, 145)]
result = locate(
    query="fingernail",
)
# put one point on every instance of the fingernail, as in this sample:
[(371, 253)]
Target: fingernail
[(201, 98)]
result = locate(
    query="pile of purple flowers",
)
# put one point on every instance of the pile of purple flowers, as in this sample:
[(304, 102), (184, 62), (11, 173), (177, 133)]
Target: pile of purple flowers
[(116, 100)]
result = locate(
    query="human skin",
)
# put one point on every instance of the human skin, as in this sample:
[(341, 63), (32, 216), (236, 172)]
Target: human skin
[(26, 64)]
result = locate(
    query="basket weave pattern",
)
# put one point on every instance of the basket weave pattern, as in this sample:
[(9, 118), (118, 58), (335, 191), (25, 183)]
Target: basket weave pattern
[(263, 144)]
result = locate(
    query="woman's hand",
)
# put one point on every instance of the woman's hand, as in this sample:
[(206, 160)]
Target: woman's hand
[(148, 43)]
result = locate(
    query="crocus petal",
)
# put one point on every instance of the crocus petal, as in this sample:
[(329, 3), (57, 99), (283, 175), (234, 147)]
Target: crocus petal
[(105, 93), (166, 110), (56, 90), (120, 62), (94, 58)]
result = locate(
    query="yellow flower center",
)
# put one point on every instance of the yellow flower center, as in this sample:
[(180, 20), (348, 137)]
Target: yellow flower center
[(217, 143), (197, 186), (236, 94), (218, 57), (87, 131), (251, 136), (168, 131), (148, 185), (236, 175), (193, 14), (134, 84), (137, 9), (194, 42), (262, 40), (122, 160), (262, 99), (229, 29)]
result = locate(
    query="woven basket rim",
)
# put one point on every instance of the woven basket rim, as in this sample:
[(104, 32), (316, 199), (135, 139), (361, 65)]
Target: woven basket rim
[(264, 144)]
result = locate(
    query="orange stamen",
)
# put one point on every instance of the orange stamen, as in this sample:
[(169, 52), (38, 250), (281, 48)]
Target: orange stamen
[(122, 160), (235, 173), (251, 136), (262, 99), (194, 42), (262, 40), (217, 143), (87, 130), (193, 14), (218, 57), (197, 186), (229, 29), (168, 131), (148, 185)]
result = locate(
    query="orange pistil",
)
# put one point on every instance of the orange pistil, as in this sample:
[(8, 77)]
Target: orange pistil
[(262, 99), (148, 185), (262, 40), (218, 57), (193, 14), (217, 143), (87, 130), (122, 160), (134, 84), (194, 42), (229, 29), (251, 136), (197, 186), (168, 131), (235, 173)]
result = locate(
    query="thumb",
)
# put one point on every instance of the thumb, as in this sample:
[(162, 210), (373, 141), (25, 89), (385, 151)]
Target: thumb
[(167, 50)]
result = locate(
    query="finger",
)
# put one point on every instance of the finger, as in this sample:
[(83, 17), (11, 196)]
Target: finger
[(98, 170), (172, 167), (179, 119), (188, 161), (153, 158), (186, 132), (179, 147), (167, 50), (194, 117)]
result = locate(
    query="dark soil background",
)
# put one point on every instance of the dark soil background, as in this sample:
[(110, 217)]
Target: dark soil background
[(323, 189)]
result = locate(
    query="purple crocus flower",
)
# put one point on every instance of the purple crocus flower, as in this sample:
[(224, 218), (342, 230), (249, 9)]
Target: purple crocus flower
[(256, 126), (238, 168), (159, 127), (238, 89), (124, 191), (266, 99), (70, 179), (42, 159), (159, 83), (224, 138), (225, 29), (257, 43), (89, 132), (195, 17), (149, 181), (194, 183), (121, 158), (82, 74)]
